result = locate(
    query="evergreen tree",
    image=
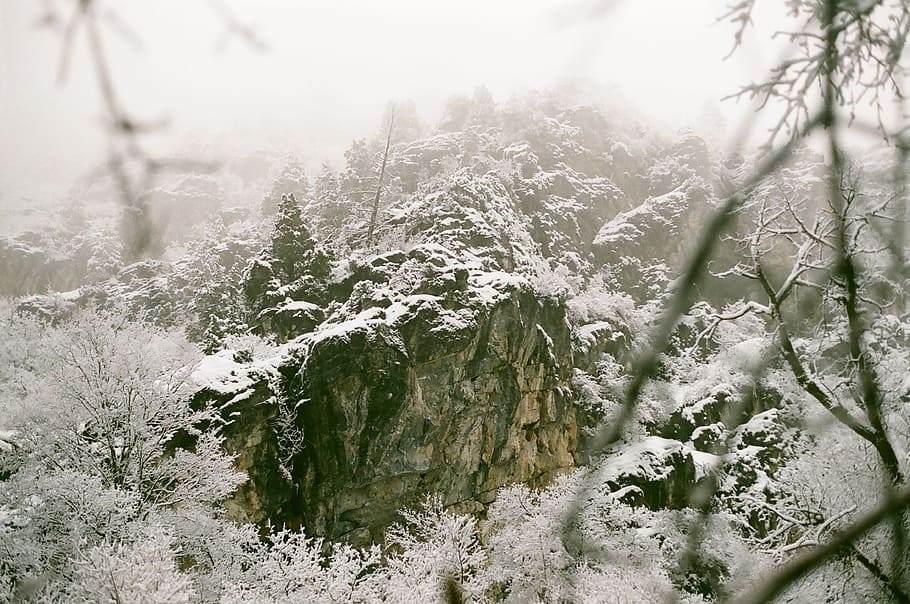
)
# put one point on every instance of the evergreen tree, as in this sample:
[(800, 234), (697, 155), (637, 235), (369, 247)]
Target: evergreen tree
[(105, 260), (358, 181), (214, 277), (293, 250), (483, 108), (327, 205), (292, 180), (455, 114), (292, 266)]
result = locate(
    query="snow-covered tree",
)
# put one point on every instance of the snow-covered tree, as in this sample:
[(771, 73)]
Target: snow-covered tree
[(291, 180), (358, 179), (433, 548), (327, 206), (106, 442), (293, 267), (214, 270), (827, 294), (293, 568), (143, 570), (106, 258), (294, 252)]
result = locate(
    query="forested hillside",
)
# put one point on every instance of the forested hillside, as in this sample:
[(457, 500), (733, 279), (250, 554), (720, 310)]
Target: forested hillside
[(540, 348), (386, 381)]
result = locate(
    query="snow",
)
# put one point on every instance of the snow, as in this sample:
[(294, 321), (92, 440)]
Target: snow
[(301, 305), (587, 334), (691, 412), (646, 458), (491, 287), (341, 270), (405, 306), (365, 321), (8, 439), (705, 463), (52, 301), (219, 372), (747, 355), (70, 296), (749, 454), (453, 321), (629, 490), (764, 427), (390, 305), (240, 397), (617, 231), (549, 342), (656, 212)]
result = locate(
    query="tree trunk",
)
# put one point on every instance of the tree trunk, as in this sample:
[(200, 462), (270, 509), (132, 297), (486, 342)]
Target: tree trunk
[(385, 158)]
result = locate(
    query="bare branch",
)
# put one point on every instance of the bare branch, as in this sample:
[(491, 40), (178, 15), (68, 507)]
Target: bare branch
[(805, 564)]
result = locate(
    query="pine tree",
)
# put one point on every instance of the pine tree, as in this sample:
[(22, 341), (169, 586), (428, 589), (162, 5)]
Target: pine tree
[(330, 212), (358, 180), (292, 180), (290, 267), (294, 251), (216, 298), (105, 260)]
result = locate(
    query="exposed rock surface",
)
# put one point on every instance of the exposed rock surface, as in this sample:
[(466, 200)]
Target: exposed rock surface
[(457, 394), (657, 472), (439, 358), (29, 265)]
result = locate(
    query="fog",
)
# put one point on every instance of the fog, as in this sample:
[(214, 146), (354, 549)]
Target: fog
[(330, 67)]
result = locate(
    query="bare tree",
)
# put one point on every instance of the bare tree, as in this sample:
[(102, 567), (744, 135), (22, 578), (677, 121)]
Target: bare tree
[(374, 210), (833, 276), (839, 45), (856, 47), (845, 301)]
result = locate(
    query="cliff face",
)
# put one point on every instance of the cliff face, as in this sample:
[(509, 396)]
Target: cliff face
[(28, 266), (394, 415), (455, 394), (434, 367)]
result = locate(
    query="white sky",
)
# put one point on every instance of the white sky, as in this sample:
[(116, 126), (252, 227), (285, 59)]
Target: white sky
[(333, 64)]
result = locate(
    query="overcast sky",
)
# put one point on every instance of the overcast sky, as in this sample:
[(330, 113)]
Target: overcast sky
[(331, 66)]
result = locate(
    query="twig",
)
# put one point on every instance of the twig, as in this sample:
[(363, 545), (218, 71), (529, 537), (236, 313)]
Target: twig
[(797, 568)]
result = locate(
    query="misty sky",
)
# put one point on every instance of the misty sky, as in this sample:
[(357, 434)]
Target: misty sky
[(332, 65)]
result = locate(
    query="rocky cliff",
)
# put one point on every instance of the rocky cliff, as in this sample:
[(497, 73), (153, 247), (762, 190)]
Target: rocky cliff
[(435, 355), (29, 264), (457, 390)]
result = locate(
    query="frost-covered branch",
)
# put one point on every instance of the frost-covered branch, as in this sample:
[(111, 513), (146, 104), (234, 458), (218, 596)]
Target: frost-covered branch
[(792, 571), (867, 39)]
